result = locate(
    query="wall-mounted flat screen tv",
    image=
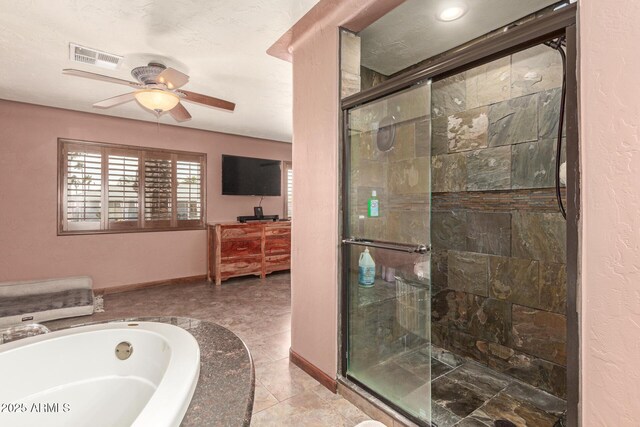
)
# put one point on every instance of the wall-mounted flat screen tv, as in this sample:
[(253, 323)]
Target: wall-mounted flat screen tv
[(248, 176)]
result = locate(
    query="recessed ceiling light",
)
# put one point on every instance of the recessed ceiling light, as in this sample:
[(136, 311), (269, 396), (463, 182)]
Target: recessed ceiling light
[(452, 13)]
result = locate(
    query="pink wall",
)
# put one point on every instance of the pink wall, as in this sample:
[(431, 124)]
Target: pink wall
[(313, 46), (29, 247), (315, 230), (610, 119)]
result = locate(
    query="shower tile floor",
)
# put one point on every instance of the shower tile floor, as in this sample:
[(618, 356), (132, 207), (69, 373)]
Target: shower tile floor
[(464, 393)]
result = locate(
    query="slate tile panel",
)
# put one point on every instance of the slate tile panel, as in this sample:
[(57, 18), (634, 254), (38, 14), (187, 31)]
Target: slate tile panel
[(553, 287), (549, 114), (448, 96), (513, 121), (514, 280), (505, 407), (439, 137), (533, 164), (488, 83), (449, 230), (467, 130), (484, 318), (468, 272), (489, 169), (539, 236), (489, 232), (534, 70), (539, 333), (449, 172)]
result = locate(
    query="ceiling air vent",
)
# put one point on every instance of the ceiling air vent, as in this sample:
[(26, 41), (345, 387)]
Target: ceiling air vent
[(90, 56)]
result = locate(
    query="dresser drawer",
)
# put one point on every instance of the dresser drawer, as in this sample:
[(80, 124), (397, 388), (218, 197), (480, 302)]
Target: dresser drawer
[(238, 248), (282, 231), (241, 266), (241, 232), (277, 262), (273, 246)]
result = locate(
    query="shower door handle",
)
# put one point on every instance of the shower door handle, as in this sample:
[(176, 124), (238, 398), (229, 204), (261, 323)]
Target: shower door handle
[(400, 247)]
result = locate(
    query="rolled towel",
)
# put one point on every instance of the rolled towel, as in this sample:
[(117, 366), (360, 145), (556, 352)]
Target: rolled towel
[(42, 300)]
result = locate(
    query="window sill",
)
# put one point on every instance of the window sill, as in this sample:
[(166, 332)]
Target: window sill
[(150, 230)]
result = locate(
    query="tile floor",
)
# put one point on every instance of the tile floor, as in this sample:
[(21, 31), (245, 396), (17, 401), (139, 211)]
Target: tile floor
[(259, 312), (463, 393)]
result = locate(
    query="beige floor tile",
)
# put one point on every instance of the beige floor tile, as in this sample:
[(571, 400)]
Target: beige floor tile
[(262, 398), (276, 346), (306, 409), (324, 393), (260, 358), (347, 410), (283, 379)]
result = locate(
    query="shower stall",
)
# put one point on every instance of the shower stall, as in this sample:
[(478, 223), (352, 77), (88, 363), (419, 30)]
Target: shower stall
[(468, 319)]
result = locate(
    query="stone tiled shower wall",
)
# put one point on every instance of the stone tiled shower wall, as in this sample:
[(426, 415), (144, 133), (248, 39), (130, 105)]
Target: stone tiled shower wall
[(498, 267)]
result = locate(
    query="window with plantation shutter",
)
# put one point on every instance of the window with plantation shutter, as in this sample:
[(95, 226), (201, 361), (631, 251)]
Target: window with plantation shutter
[(288, 179), (158, 190), (83, 188), (115, 188), (189, 189), (123, 189)]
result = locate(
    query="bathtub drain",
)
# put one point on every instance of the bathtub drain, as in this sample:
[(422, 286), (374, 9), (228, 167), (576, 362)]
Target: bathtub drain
[(124, 350)]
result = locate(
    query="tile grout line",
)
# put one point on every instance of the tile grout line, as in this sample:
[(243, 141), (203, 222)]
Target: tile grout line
[(263, 409)]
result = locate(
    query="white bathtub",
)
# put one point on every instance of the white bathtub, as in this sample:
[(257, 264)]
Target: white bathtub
[(72, 377)]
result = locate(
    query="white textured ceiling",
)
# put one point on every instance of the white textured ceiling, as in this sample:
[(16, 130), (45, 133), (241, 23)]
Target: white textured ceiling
[(220, 44), (411, 32)]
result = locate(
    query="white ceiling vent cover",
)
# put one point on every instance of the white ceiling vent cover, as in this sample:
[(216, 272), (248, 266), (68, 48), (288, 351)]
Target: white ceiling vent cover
[(90, 56)]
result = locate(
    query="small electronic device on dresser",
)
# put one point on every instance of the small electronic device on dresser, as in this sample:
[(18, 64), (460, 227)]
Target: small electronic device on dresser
[(258, 215), (250, 218)]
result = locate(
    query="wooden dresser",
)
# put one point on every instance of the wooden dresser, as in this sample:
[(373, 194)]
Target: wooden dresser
[(235, 249)]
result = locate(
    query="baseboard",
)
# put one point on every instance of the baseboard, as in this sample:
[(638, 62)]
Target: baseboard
[(313, 371), (137, 286)]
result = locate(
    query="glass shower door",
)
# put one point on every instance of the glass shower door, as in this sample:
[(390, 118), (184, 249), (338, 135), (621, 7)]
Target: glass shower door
[(386, 249)]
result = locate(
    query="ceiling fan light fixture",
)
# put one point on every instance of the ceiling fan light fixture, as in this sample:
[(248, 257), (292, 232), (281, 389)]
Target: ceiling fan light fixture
[(157, 100)]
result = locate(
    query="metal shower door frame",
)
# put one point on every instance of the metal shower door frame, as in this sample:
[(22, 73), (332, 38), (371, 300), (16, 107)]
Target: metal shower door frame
[(473, 54)]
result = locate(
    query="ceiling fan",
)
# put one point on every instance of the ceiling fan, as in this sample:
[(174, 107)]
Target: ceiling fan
[(157, 89)]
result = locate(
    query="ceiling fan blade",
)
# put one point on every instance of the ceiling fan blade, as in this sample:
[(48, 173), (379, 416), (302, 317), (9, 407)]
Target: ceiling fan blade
[(180, 113), (116, 100), (207, 100), (94, 76), (173, 78)]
